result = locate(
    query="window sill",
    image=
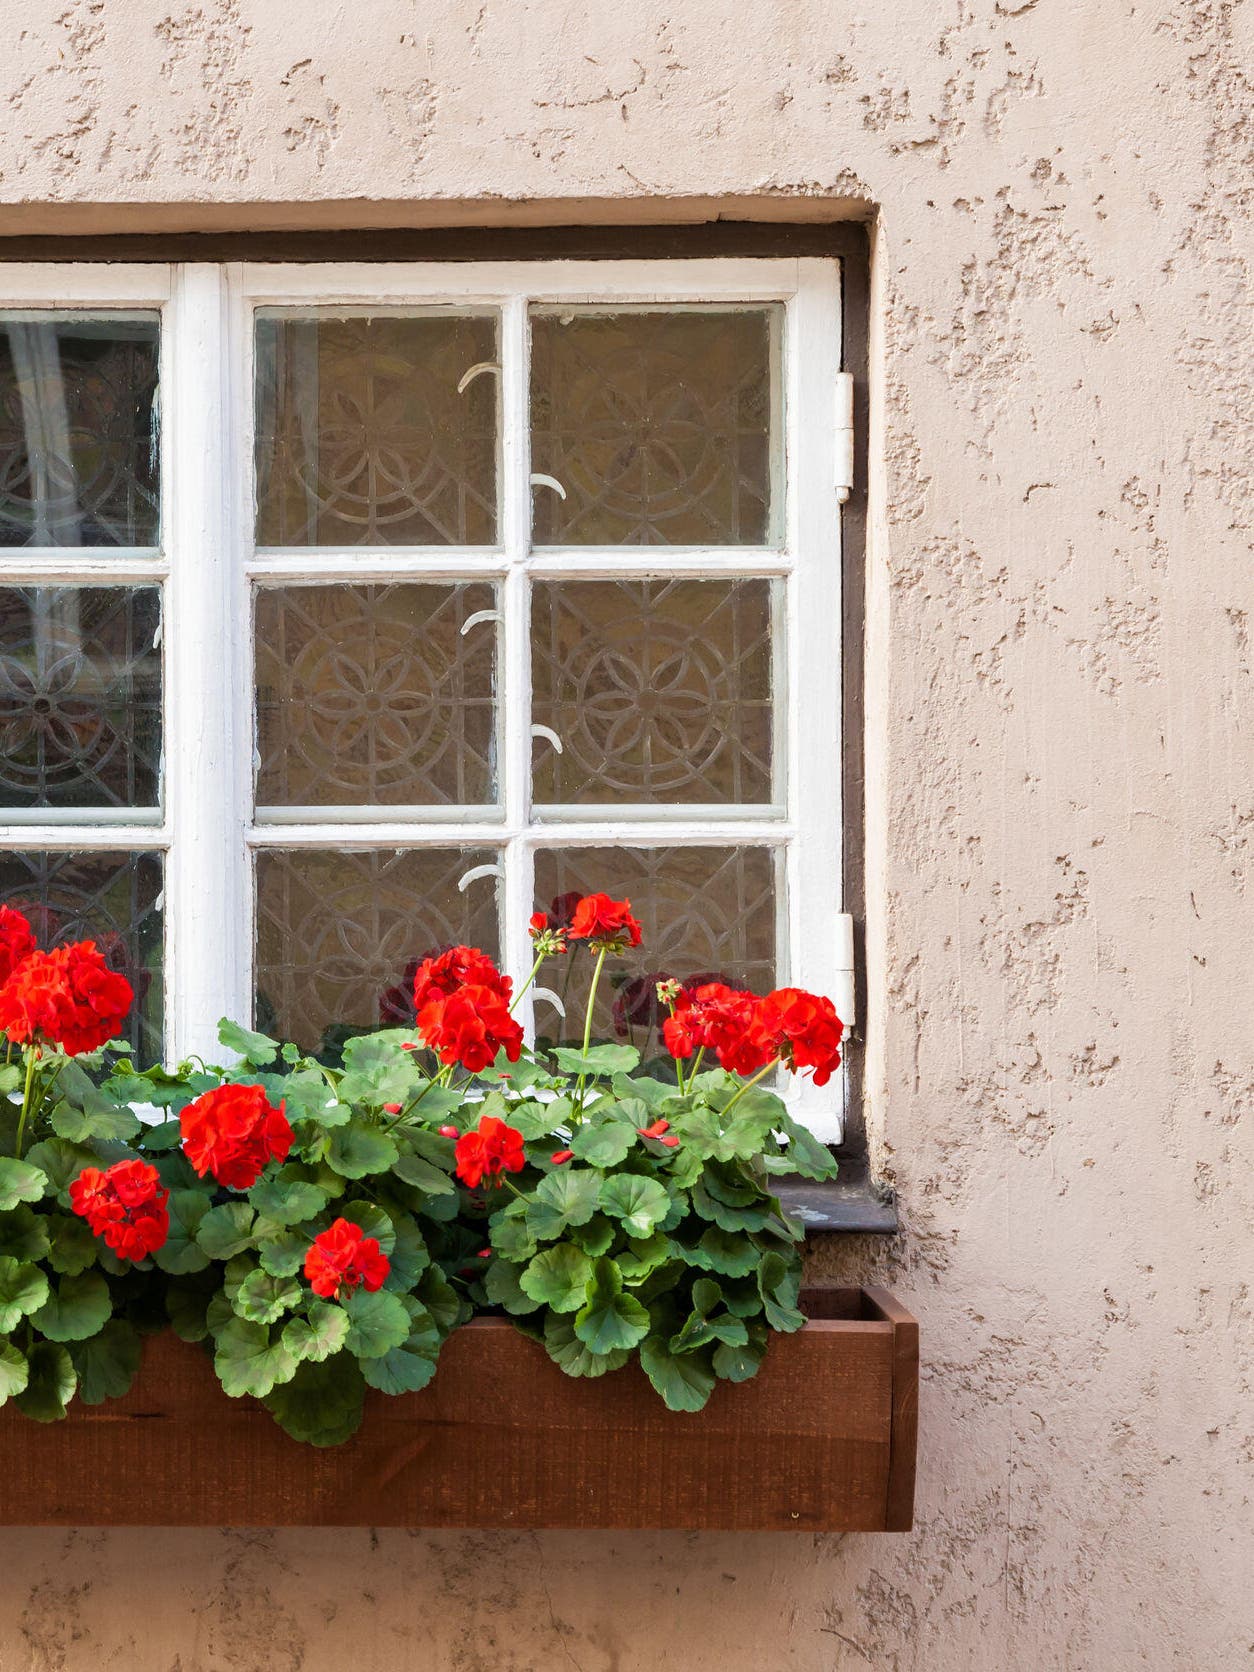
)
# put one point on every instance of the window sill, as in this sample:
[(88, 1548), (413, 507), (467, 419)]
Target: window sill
[(821, 1440), (852, 1202)]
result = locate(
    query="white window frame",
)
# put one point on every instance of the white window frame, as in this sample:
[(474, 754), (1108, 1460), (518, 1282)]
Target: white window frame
[(209, 565)]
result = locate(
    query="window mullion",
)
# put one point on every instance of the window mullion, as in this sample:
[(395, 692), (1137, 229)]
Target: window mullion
[(206, 880), (515, 690)]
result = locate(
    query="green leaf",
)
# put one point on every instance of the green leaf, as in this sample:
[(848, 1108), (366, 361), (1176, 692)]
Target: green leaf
[(167, 1135), (641, 1203), (728, 1252), (226, 1230), (409, 1367), (377, 1323), (98, 1117), (598, 1059), (806, 1155), (108, 1362), (565, 1198), (14, 1371), (423, 1174), (357, 1150), (180, 1253), (573, 1355), (739, 1363), (609, 1319), (502, 1286), (77, 1308), (440, 1299), (652, 1093), (643, 1255), (378, 1071), (51, 1383), (24, 1234), (61, 1162), (287, 1202), (606, 1143), (779, 1282), (20, 1182), (255, 1048), (23, 1290), (596, 1236), (315, 1338), (372, 1221), (248, 1361), (558, 1277), (283, 1254), (510, 1235), (263, 1299), (409, 1254), (727, 1217), (320, 1404), (685, 1381), (186, 1307)]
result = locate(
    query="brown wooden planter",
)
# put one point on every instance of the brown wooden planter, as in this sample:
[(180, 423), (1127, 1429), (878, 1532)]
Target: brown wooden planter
[(823, 1439)]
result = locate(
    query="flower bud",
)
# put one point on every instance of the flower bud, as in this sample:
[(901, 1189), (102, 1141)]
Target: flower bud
[(561, 1155)]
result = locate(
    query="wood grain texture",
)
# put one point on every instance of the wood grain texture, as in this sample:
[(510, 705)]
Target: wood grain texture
[(501, 1439)]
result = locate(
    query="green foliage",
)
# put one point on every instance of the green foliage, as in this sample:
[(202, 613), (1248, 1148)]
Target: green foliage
[(20, 1182)]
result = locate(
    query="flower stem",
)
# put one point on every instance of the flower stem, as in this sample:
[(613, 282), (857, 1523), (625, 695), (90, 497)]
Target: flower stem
[(535, 970), (587, 1021), (748, 1086), (26, 1099)]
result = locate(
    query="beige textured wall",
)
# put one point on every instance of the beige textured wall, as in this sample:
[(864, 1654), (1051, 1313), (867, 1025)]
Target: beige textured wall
[(1061, 807)]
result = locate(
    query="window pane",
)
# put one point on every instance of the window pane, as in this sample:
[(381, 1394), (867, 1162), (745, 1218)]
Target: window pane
[(79, 459), (704, 912), (362, 437), (339, 935), (111, 898), (375, 695), (80, 696), (658, 426), (659, 690)]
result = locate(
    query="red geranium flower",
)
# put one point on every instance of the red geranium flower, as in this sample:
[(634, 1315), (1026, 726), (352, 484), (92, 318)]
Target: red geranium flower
[(804, 1030), (344, 1258), (470, 1026), (492, 1148), (605, 923), (68, 996), (460, 966), (126, 1205), (721, 1019), (17, 941), (232, 1131)]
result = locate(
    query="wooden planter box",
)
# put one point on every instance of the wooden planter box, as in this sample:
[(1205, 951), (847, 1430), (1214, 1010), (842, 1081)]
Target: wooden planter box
[(823, 1439)]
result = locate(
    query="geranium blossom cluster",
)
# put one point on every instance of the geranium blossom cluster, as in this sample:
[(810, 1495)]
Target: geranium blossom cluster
[(231, 1133), (67, 997), (462, 1009), (747, 1034), (125, 1205)]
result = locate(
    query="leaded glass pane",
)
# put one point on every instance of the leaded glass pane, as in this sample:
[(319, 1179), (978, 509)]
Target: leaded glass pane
[(660, 691), (339, 935), (363, 437), (375, 695), (660, 426), (111, 898), (80, 696), (79, 446), (705, 912)]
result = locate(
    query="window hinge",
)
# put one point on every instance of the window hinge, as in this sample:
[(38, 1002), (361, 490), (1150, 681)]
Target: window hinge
[(844, 436), (843, 997)]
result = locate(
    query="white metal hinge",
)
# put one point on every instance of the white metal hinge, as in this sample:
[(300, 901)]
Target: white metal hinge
[(844, 436), (843, 997)]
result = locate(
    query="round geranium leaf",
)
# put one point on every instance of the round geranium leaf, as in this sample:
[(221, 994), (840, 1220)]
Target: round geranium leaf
[(568, 1197), (181, 1254), (24, 1234), (263, 1299), (605, 1143), (320, 1404), (685, 1380), (409, 1367), (14, 1371), (20, 1182), (377, 1323), (640, 1203), (357, 1151), (23, 1290), (316, 1337), (558, 1277), (287, 1202), (75, 1309), (573, 1355), (502, 1287), (107, 1362), (283, 1254), (737, 1363), (226, 1230), (50, 1384), (609, 1318), (248, 1361)]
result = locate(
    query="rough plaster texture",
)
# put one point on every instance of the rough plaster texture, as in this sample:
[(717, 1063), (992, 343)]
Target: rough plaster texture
[(1061, 803)]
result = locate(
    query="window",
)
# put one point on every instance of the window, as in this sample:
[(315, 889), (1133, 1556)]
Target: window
[(354, 609)]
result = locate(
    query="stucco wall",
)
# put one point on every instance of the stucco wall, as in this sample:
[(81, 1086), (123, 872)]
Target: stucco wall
[(1061, 801)]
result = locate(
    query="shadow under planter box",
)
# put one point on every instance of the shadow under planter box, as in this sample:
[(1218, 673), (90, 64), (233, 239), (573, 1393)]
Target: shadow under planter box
[(821, 1440)]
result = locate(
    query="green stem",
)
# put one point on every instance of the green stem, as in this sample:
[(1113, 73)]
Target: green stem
[(748, 1086), (535, 970), (587, 1021), (26, 1098)]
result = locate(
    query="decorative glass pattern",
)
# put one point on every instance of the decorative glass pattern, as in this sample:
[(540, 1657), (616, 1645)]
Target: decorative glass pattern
[(375, 695), (659, 690), (339, 935), (80, 696), (704, 912), (111, 898), (658, 425), (79, 449), (363, 437)]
